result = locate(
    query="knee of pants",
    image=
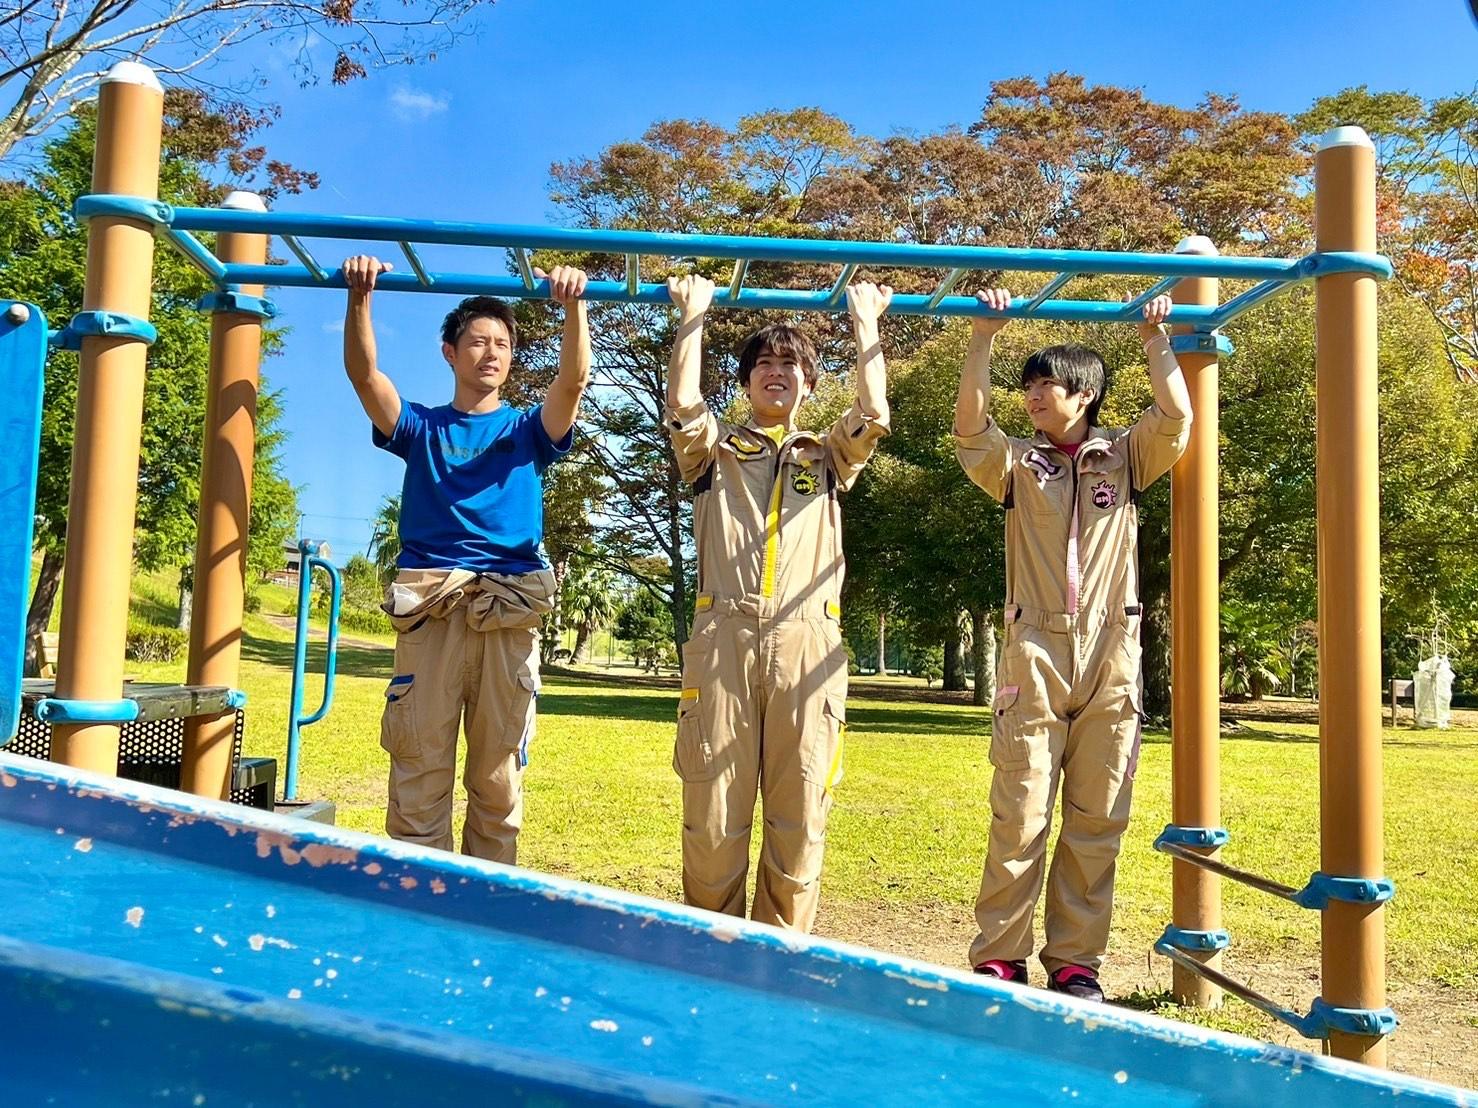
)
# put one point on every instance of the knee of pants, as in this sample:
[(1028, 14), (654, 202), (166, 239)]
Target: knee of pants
[(1093, 829), (795, 839)]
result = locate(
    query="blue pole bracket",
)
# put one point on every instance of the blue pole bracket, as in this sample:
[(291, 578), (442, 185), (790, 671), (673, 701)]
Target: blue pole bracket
[(1202, 343), (1183, 939), (1193, 836), (56, 710), (156, 212), (113, 325), (1322, 888), (235, 699), (1325, 1017), (238, 302)]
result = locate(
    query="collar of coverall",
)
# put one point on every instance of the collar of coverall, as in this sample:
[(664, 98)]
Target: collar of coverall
[(1095, 443), (779, 439)]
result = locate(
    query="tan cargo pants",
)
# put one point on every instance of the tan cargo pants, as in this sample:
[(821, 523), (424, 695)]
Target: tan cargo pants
[(1067, 707), (763, 707), (467, 655)]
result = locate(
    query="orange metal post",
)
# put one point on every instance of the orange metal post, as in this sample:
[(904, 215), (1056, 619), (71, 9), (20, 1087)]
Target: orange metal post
[(1195, 796), (110, 399), (1351, 814), (225, 506)]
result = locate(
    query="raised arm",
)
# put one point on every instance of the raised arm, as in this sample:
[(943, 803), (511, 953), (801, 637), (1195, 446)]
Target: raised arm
[(693, 428), (562, 402), (1171, 395), (692, 295), (376, 392), (972, 406), (981, 446), (853, 438)]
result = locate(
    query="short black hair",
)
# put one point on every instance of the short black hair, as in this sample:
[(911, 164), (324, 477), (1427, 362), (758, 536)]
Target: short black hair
[(784, 341), (1078, 368), (478, 307)]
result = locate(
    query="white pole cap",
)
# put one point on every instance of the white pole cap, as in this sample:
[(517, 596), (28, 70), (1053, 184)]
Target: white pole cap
[(240, 201), (1345, 136), (1196, 244), (133, 73)]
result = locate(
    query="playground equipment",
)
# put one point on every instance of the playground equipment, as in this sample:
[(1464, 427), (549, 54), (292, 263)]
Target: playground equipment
[(112, 331), (211, 954), (308, 561)]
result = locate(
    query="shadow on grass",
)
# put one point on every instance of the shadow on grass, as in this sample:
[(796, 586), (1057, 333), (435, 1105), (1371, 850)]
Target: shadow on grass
[(354, 661)]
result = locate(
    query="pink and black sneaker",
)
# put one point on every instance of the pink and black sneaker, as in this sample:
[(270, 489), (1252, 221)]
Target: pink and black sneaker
[(1003, 971), (1078, 981)]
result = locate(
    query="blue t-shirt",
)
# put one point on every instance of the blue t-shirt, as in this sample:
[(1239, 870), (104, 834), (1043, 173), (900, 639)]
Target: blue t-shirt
[(473, 497)]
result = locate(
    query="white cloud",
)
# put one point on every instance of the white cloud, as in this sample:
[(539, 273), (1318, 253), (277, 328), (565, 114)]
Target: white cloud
[(411, 104), (334, 326)]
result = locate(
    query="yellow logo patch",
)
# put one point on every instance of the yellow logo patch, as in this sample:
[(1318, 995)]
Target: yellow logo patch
[(804, 483)]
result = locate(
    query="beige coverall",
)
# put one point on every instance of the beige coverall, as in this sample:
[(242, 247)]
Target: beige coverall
[(764, 669), (467, 649), (1068, 693)]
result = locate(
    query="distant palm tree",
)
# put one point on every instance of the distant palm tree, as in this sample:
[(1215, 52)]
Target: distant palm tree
[(587, 600), (384, 544)]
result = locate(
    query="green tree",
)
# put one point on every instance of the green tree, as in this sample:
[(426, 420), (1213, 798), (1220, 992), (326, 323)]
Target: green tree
[(384, 544), (644, 624), (42, 259), (587, 600)]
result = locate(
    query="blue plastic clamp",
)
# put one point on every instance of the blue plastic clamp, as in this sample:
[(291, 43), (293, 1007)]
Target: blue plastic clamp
[(1183, 939), (111, 324), (230, 300), (1324, 1018), (156, 212), (1193, 836), (1322, 888), (54, 710), (235, 699), (1202, 343), (1346, 261)]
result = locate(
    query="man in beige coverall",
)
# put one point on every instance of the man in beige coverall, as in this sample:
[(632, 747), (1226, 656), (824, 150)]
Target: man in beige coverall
[(1068, 692), (473, 580), (765, 669)]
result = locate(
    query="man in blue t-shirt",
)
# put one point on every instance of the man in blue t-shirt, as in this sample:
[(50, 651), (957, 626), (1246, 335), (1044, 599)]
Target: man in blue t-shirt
[(472, 580)]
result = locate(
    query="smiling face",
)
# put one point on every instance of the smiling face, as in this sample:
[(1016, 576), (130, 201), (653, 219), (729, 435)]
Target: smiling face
[(778, 369), (482, 356), (777, 385), (1064, 388)]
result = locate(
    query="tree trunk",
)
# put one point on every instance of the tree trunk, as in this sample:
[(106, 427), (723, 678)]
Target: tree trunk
[(1155, 634), (581, 653), (48, 579), (983, 644), (882, 644), (187, 599), (954, 658)]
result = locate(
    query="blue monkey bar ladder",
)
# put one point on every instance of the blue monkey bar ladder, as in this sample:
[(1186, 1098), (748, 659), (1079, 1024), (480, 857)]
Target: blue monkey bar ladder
[(179, 226)]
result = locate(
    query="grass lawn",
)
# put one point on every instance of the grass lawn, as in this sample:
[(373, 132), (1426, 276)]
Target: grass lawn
[(908, 830)]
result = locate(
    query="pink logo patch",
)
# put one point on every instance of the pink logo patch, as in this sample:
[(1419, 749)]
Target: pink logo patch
[(1105, 495)]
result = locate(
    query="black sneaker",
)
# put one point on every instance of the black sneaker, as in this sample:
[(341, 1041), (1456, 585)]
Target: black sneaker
[(1003, 970), (1078, 981)]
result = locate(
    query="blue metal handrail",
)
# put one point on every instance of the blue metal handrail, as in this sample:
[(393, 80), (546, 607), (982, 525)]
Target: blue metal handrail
[(176, 224), (308, 561)]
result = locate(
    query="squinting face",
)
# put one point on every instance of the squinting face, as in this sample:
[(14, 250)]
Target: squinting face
[(777, 385), (482, 356), (1052, 407)]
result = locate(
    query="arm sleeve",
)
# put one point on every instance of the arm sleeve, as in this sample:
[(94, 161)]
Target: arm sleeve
[(851, 442), (695, 432), (1156, 443), (546, 450), (987, 457), (408, 428)]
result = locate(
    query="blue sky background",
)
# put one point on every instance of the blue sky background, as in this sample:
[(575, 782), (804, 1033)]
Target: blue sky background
[(472, 136)]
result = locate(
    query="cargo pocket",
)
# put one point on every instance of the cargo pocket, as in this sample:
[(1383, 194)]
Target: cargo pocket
[(692, 755), (398, 724), (521, 715), (834, 732), (1009, 745)]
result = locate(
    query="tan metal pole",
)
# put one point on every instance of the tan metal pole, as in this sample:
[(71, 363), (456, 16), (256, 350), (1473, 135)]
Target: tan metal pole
[(98, 566), (1195, 667), (225, 508), (1351, 814)]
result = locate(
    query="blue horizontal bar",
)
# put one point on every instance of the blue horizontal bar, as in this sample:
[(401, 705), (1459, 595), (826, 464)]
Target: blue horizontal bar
[(193, 249), (468, 284), (1243, 301), (57, 710), (759, 248)]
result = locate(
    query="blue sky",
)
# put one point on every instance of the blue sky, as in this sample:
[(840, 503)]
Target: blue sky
[(472, 136)]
